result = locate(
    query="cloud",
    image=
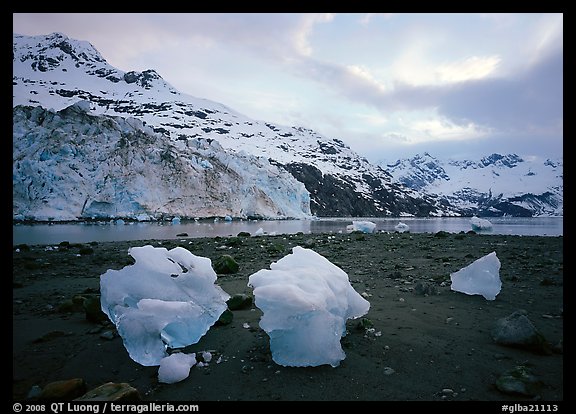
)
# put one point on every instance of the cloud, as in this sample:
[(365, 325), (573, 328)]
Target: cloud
[(474, 67), (531, 100), (303, 30), (367, 18)]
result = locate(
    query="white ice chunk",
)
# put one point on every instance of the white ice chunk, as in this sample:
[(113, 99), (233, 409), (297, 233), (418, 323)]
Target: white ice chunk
[(401, 227), (167, 299), (482, 277), (176, 367), (206, 356), (259, 232), (363, 226), (306, 301), (480, 224)]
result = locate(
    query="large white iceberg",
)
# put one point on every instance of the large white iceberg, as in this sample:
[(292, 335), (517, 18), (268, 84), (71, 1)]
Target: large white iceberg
[(482, 277), (167, 299), (306, 301)]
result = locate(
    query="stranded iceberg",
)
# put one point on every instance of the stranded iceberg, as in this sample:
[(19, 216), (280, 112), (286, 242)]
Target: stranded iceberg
[(482, 277), (167, 299), (306, 301)]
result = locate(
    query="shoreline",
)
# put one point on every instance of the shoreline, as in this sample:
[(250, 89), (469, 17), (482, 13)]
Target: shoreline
[(427, 342)]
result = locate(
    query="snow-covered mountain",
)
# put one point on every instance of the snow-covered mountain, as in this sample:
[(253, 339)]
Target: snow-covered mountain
[(55, 72), (494, 185), (70, 165)]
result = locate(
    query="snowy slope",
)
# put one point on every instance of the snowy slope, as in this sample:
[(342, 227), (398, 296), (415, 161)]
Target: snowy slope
[(55, 72), (71, 165), (493, 185)]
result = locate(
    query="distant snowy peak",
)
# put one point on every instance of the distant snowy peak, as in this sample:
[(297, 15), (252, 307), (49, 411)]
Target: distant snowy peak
[(495, 184), (420, 171)]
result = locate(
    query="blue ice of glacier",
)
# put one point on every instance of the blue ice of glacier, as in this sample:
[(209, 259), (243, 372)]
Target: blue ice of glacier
[(306, 300), (166, 299), (482, 277)]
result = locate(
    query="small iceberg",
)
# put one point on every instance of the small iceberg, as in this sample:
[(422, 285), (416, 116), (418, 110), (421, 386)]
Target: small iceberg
[(479, 224), (363, 226), (401, 227)]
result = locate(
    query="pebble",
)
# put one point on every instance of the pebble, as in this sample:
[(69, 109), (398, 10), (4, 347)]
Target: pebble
[(388, 371), (107, 335)]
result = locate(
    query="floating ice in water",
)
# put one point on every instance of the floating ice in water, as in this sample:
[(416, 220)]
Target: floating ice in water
[(228, 218), (167, 299), (401, 227), (480, 224), (259, 232), (482, 277), (176, 220), (306, 300), (363, 226), (176, 367)]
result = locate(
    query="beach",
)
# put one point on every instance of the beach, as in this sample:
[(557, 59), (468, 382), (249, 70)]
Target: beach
[(421, 341)]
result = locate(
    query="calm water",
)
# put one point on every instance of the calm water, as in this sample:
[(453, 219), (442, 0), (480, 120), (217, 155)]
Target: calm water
[(84, 233)]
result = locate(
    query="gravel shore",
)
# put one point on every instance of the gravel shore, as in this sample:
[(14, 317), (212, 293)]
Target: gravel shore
[(424, 342)]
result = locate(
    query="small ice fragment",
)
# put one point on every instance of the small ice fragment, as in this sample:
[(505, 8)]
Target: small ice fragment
[(206, 356), (175, 368)]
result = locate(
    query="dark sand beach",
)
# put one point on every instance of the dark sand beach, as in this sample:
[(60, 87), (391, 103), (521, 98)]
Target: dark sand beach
[(428, 343)]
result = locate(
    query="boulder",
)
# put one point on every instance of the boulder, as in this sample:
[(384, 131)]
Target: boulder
[(64, 390), (239, 301), (112, 391), (225, 264), (519, 381), (517, 330)]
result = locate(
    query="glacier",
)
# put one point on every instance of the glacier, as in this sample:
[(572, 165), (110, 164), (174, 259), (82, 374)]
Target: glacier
[(74, 165), (167, 299), (306, 300), (54, 71)]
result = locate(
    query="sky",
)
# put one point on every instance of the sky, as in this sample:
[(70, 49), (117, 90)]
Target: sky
[(388, 85)]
